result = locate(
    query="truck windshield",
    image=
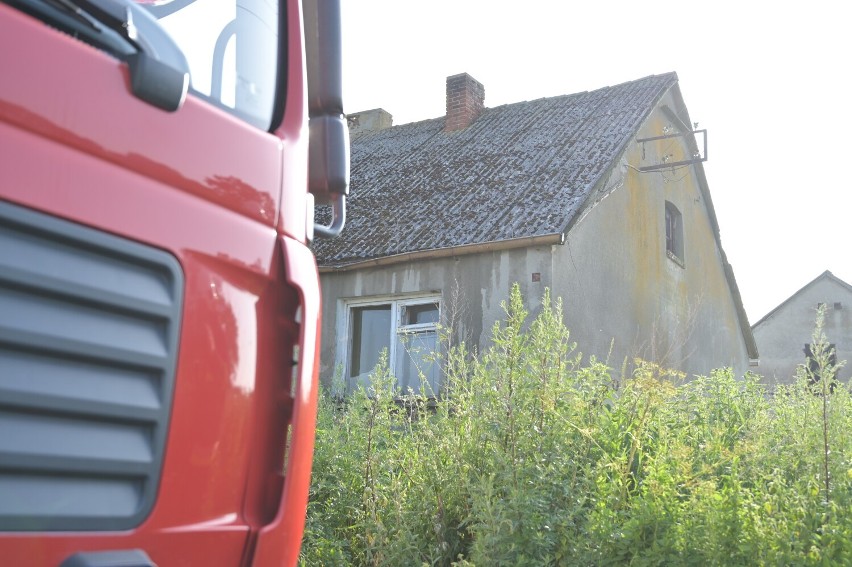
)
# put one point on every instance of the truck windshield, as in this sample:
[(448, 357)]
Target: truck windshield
[(232, 47)]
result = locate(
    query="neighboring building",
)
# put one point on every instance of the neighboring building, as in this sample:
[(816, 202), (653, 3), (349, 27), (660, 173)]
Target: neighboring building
[(599, 196), (784, 335)]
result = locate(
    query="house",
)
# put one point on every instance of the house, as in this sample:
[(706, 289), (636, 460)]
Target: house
[(599, 196), (784, 335)]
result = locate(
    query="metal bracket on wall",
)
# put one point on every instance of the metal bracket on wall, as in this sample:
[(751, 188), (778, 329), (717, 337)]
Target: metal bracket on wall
[(700, 157)]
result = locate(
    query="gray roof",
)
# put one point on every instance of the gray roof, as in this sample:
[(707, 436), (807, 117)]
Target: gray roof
[(520, 170)]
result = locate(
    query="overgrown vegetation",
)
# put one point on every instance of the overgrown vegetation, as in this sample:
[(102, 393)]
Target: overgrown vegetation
[(535, 458)]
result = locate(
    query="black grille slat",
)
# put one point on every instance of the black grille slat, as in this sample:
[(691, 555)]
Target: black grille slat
[(89, 328), (111, 469), (47, 502), (75, 348), (21, 239), (65, 319), (49, 286), (74, 407), (43, 375)]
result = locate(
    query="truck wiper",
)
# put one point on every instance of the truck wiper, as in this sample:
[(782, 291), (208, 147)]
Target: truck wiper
[(71, 19), (110, 13), (77, 13), (153, 77), (159, 73)]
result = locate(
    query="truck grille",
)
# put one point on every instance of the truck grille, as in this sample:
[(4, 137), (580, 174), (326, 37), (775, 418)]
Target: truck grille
[(89, 327)]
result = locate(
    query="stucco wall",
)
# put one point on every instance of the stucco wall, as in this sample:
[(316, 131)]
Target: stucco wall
[(783, 334), (471, 288), (624, 297)]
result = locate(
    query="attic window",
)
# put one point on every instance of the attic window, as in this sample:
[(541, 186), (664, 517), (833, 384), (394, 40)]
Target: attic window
[(674, 234)]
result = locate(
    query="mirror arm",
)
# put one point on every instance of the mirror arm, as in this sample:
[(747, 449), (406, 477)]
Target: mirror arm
[(328, 149)]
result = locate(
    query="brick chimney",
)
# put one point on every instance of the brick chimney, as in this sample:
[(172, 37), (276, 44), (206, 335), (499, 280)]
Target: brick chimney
[(465, 101)]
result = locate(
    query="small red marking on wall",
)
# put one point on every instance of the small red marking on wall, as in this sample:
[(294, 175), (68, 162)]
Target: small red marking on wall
[(536, 277)]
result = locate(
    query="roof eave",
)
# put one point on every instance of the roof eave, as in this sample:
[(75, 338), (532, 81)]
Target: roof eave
[(449, 252)]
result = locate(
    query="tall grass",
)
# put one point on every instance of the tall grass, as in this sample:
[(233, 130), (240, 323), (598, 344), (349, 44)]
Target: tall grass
[(534, 457)]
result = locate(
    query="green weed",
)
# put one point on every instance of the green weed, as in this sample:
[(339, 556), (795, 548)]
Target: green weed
[(534, 457)]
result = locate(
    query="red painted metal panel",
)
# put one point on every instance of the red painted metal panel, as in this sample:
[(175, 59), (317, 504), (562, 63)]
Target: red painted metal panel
[(279, 541), (71, 93)]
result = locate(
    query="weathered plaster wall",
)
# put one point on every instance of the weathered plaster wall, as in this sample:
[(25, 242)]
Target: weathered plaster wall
[(471, 287), (783, 334), (624, 297)]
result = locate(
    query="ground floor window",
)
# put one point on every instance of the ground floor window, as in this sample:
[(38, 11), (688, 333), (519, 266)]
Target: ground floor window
[(407, 329)]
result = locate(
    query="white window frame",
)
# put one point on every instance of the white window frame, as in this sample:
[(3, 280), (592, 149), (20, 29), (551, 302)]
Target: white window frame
[(397, 303)]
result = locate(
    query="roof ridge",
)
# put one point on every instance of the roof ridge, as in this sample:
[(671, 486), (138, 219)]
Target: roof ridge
[(671, 74)]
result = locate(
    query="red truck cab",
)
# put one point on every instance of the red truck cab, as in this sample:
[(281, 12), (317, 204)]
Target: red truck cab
[(159, 306)]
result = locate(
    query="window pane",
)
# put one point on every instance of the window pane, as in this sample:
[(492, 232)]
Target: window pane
[(413, 356), (420, 314), (370, 334), (231, 47)]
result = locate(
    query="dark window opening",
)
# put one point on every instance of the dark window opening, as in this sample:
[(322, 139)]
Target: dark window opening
[(674, 233), (813, 365)]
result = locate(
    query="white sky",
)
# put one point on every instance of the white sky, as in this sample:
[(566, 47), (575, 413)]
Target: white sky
[(769, 81)]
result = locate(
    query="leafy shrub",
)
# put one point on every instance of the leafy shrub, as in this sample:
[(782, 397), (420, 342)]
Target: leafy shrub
[(534, 458)]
